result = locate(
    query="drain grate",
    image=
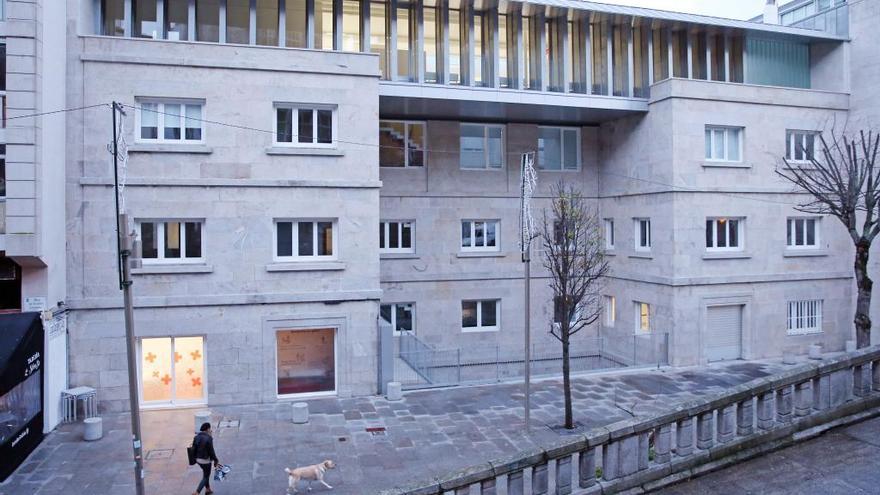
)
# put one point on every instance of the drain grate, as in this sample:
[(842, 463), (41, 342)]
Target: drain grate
[(377, 431), (160, 454)]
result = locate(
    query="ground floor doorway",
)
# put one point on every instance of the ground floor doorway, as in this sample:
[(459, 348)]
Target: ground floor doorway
[(172, 371), (724, 332), (306, 361)]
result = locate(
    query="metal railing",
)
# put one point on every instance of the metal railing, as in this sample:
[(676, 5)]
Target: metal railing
[(691, 437), (421, 366)]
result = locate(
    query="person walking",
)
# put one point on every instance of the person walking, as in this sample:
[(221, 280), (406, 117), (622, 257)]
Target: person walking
[(203, 444)]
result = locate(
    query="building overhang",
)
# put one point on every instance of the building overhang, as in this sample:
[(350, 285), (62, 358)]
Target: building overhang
[(400, 100)]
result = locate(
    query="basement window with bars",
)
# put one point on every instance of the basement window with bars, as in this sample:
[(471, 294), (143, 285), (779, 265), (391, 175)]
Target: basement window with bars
[(396, 237), (305, 240), (305, 126), (171, 241), (804, 317), (164, 121)]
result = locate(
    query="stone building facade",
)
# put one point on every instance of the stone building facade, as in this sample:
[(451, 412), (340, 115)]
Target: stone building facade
[(268, 141)]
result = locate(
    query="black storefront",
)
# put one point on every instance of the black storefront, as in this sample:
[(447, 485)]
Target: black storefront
[(21, 388)]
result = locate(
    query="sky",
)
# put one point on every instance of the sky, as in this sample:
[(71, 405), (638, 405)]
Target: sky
[(733, 9)]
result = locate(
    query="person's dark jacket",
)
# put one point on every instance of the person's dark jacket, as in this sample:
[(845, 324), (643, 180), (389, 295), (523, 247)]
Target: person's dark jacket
[(204, 446)]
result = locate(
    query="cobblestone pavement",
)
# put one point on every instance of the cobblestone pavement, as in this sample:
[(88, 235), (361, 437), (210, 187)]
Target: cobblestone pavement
[(426, 434), (844, 461)]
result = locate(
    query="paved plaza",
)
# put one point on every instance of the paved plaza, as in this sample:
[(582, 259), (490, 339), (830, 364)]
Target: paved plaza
[(844, 461), (376, 444)]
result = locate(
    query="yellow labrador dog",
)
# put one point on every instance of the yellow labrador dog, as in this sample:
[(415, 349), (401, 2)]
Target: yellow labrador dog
[(311, 473)]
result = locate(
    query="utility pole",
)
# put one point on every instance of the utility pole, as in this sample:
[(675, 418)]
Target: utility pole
[(124, 243)]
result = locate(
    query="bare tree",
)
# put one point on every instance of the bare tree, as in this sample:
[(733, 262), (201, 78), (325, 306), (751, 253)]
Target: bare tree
[(844, 182), (575, 258)]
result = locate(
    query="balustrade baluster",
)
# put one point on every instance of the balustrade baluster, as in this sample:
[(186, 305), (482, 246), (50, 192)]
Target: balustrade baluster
[(803, 398), (587, 468), (726, 423), (783, 405), (876, 374), (663, 444), (487, 487), (563, 475), (515, 483), (765, 411), (539, 479), (705, 432), (685, 437), (822, 392), (745, 417), (609, 460)]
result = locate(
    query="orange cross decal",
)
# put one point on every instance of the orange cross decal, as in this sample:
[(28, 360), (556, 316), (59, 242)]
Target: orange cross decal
[(190, 371), (155, 374), (166, 379), (177, 357), (197, 382), (150, 357), (195, 355)]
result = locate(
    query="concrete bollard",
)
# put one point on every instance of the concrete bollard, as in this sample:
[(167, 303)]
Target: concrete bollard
[(850, 346), (394, 392), (815, 351), (94, 429), (201, 417), (300, 413)]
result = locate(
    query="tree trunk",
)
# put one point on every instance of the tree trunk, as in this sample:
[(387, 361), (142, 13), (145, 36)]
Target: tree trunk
[(864, 284), (566, 380)]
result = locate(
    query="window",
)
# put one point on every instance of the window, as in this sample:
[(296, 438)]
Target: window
[(401, 144), (177, 19), (481, 146), (304, 239), (559, 314), (171, 241), (305, 361), (804, 317), (400, 316), (2, 171), (643, 234), (643, 317), (170, 121), (558, 148), (610, 308), (396, 237), (609, 233), (800, 145), (172, 370), (480, 316), (479, 235), (724, 234), (803, 233), (305, 126), (724, 143)]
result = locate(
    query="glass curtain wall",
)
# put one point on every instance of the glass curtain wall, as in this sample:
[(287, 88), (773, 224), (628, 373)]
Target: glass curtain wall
[(698, 55), (351, 25), (378, 36), (679, 54), (716, 52), (177, 19), (295, 23), (503, 56), (113, 18), (529, 78), (600, 58), (736, 59), (555, 54), (661, 54), (641, 88), (454, 46), (238, 15), (208, 20), (430, 48), (479, 76), (323, 24), (405, 44), (267, 22), (145, 24), (577, 36)]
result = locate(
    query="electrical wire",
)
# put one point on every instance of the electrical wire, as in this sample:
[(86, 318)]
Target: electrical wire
[(63, 110)]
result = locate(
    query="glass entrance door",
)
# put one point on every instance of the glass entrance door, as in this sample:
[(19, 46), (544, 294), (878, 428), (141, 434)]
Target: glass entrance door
[(172, 370)]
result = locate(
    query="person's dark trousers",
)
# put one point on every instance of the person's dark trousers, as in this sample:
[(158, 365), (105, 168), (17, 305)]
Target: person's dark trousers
[(206, 478)]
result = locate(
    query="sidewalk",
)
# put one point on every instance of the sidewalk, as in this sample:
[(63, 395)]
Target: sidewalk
[(428, 433)]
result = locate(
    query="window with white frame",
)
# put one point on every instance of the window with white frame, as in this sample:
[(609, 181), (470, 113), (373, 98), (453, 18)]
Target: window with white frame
[(724, 143), (305, 240), (609, 233), (171, 241), (803, 233), (480, 316), (481, 146), (305, 125), (643, 317), (396, 237), (800, 146), (559, 148), (479, 235), (724, 234), (643, 234), (559, 312), (804, 316), (610, 310), (400, 316), (401, 144), (169, 121)]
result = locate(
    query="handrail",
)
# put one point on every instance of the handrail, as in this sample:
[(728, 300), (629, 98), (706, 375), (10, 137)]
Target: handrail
[(762, 410)]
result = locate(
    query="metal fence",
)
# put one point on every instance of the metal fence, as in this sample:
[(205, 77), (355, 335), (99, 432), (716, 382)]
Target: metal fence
[(419, 365)]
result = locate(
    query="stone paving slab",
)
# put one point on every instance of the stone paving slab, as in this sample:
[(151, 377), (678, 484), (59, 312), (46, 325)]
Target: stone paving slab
[(844, 461), (428, 433)]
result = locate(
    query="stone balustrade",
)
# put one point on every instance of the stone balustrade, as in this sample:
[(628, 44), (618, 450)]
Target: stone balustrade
[(651, 451)]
